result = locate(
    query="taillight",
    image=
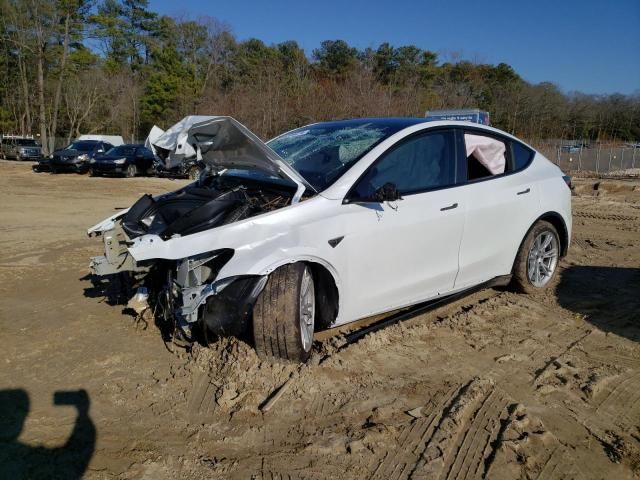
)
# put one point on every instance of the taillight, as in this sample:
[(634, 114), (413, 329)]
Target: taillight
[(567, 180)]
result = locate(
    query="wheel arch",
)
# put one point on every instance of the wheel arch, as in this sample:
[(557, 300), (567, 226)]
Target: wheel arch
[(328, 298), (555, 219)]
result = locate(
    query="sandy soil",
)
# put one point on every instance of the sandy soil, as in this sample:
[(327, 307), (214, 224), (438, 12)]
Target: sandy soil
[(498, 385)]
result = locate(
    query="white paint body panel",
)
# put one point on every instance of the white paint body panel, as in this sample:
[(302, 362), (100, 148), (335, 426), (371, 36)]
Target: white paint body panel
[(392, 255)]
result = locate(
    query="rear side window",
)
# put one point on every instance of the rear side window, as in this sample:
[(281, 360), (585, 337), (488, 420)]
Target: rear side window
[(421, 163), (521, 155), (486, 156)]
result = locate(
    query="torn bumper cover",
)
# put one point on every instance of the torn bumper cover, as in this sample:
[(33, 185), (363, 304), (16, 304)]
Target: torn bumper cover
[(190, 291)]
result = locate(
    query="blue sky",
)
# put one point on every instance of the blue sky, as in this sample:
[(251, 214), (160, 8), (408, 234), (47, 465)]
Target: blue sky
[(591, 46)]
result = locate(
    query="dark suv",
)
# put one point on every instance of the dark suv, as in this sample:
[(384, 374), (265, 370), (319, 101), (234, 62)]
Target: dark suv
[(20, 148), (128, 160), (76, 157)]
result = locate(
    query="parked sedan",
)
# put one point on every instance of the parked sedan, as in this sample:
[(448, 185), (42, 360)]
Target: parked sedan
[(338, 221), (128, 160), (20, 148), (76, 157)]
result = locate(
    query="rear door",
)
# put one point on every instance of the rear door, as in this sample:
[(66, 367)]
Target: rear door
[(501, 202), (403, 252)]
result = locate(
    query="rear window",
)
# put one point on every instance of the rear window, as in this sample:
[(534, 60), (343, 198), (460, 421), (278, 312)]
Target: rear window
[(521, 155), (26, 142)]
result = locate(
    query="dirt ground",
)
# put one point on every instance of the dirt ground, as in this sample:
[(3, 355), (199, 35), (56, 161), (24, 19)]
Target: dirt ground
[(498, 385)]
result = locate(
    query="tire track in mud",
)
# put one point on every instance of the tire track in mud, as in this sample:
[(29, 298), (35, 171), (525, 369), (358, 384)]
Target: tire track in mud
[(559, 465), (457, 440), (625, 393), (201, 404), (602, 216), (396, 465)]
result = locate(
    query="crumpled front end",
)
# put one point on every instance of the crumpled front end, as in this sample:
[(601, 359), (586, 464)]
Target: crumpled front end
[(244, 178), (185, 292), (180, 293)]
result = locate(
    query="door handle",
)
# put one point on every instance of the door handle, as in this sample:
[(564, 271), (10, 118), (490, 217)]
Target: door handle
[(524, 191), (450, 207)]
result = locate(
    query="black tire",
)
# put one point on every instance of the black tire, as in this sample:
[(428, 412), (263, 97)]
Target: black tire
[(92, 172), (131, 171), (53, 170), (276, 315), (521, 281)]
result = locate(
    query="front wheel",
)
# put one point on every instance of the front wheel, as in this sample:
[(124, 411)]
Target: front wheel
[(284, 314), (131, 171), (537, 260)]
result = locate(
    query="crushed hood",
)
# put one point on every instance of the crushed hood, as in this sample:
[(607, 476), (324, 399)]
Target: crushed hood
[(221, 142)]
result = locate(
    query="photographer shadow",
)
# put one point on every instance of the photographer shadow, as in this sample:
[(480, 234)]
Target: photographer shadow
[(19, 460)]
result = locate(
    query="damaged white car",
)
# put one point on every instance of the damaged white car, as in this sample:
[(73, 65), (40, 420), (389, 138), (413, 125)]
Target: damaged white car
[(337, 221)]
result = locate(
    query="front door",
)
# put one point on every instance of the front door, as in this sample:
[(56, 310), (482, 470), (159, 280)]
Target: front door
[(405, 251)]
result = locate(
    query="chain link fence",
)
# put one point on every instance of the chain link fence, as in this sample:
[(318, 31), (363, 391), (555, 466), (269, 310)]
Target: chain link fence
[(600, 158)]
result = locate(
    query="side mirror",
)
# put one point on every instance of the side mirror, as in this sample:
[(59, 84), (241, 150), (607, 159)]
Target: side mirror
[(387, 193)]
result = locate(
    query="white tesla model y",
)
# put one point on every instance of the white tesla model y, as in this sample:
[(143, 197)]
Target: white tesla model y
[(334, 222)]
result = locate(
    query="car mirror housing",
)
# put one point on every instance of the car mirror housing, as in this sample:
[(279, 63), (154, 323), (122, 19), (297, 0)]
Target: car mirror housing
[(387, 193)]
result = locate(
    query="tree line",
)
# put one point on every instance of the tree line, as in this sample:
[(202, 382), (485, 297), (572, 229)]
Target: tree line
[(117, 67)]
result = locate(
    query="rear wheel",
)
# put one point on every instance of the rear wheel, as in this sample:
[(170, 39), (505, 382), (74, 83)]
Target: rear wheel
[(537, 260), (284, 314)]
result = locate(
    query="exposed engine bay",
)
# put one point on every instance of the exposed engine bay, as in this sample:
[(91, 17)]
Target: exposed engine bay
[(178, 291), (212, 201)]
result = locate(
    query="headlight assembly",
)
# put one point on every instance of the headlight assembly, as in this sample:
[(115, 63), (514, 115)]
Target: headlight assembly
[(202, 268)]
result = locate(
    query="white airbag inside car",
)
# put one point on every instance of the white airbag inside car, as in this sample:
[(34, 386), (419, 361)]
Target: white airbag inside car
[(488, 151)]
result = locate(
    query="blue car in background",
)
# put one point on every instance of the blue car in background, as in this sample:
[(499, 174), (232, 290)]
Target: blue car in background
[(468, 115)]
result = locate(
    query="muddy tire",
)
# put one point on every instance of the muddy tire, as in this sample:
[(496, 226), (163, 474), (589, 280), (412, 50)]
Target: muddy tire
[(536, 265), (284, 314)]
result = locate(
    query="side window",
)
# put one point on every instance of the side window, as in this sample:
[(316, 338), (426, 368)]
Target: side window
[(521, 155), (486, 156), (421, 163)]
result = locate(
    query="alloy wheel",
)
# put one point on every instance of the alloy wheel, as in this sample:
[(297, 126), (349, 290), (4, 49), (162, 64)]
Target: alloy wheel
[(307, 309), (542, 258)]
